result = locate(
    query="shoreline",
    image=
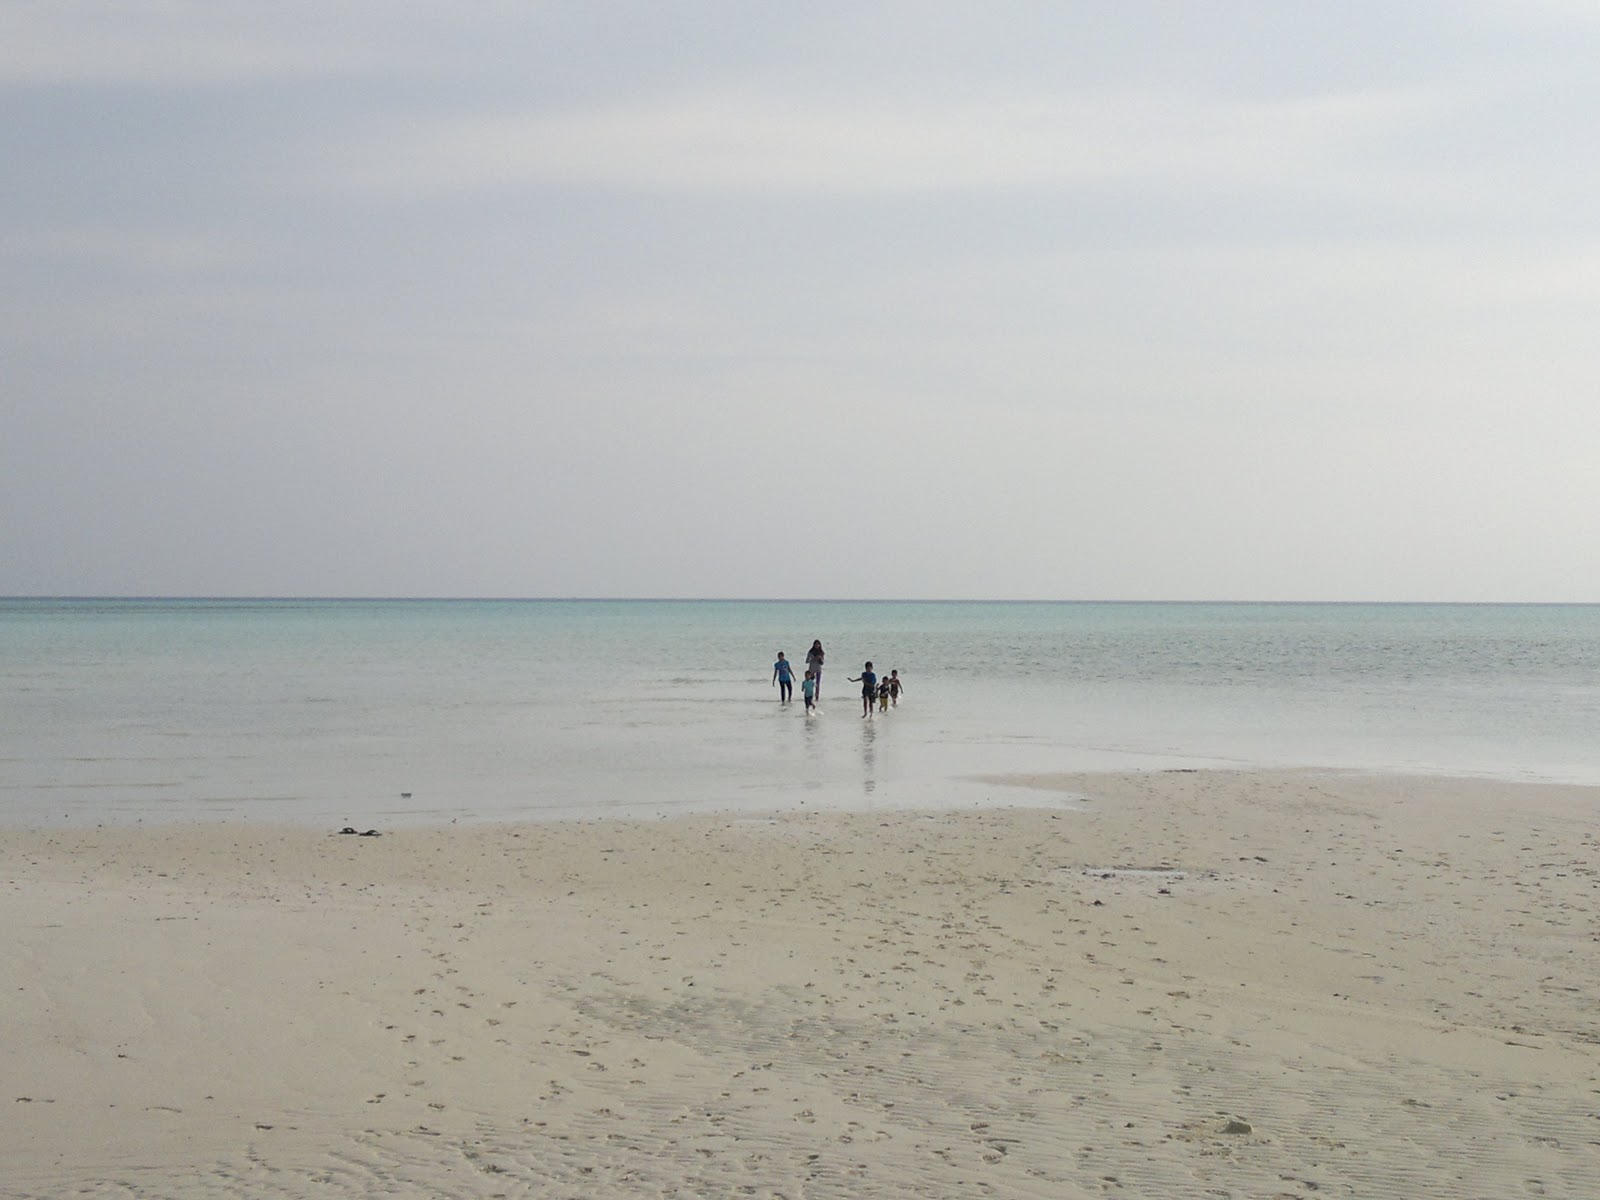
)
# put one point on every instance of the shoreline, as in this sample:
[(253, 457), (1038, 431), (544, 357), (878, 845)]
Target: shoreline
[(1252, 982), (955, 794)]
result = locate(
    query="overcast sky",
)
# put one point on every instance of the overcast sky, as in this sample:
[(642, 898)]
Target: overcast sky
[(1110, 300)]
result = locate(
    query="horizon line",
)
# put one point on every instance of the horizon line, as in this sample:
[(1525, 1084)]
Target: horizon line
[(582, 599)]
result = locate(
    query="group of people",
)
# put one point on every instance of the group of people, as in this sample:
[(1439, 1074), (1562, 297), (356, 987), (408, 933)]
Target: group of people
[(884, 692)]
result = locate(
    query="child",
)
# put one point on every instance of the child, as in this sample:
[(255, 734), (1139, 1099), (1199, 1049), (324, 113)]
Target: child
[(883, 696), (894, 688), (869, 688), (808, 689), (783, 676)]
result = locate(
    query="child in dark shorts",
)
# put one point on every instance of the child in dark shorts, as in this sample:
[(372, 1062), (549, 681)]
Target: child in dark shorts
[(869, 688)]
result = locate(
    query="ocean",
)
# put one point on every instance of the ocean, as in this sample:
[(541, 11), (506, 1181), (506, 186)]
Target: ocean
[(384, 712)]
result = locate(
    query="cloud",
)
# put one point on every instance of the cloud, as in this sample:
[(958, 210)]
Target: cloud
[(172, 43), (770, 143), (144, 252)]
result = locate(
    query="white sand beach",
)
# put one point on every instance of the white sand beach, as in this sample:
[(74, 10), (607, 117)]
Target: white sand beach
[(1182, 984)]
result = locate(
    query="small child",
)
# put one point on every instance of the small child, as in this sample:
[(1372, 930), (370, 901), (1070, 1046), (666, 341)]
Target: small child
[(869, 688), (808, 689), (883, 696), (894, 688)]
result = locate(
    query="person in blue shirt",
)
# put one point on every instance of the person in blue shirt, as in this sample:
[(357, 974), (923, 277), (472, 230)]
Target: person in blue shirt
[(808, 689), (869, 688), (783, 676)]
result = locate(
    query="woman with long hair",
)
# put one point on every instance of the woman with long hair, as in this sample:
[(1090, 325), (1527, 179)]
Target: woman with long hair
[(814, 664)]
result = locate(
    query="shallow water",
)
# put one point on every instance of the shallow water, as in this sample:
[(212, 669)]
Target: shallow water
[(365, 712)]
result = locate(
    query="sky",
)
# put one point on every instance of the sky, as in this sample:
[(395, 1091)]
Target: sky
[(1122, 300)]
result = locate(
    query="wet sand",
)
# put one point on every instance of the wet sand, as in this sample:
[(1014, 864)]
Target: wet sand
[(1267, 984)]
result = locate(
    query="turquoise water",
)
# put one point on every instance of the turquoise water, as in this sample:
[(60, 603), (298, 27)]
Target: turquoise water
[(328, 712)]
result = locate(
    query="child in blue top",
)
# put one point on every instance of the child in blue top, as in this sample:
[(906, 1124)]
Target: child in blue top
[(808, 689), (783, 676), (869, 688)]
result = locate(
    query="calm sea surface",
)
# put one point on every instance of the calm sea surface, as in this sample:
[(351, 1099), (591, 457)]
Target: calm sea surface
[(366, 712)]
